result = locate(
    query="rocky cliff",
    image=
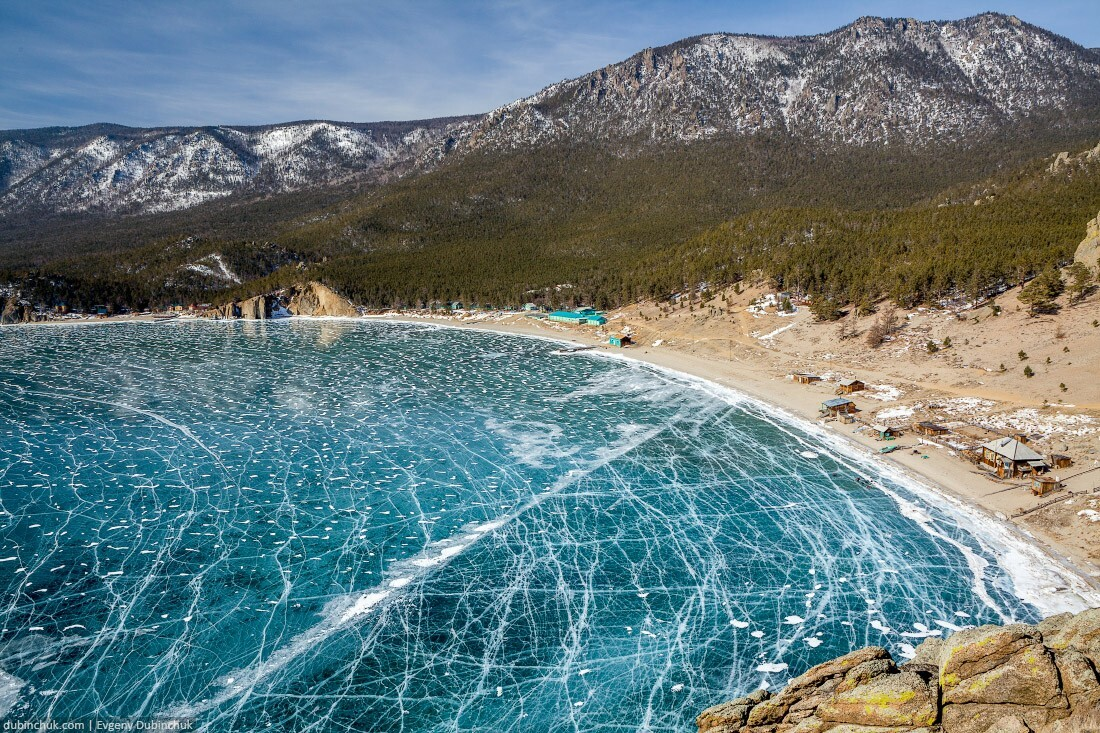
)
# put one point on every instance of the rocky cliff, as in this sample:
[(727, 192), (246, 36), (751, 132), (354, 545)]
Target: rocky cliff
[(1088, 252), (14, 311), (315, 299), (254, 309), (306, 299), (990, 679)]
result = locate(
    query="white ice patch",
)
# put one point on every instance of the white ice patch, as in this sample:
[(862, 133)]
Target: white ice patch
[(772, 667)]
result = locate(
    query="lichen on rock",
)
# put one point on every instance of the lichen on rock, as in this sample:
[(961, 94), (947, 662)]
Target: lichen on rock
[(990, 679)]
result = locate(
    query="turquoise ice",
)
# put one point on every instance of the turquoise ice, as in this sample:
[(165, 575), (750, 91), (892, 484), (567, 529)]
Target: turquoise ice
[(334, 525)]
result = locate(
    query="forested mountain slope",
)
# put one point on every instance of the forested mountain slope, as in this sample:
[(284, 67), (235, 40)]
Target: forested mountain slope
[(829, 162), (874, 81)]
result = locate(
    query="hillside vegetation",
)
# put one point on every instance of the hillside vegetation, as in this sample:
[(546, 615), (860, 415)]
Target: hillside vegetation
[(853, 224)]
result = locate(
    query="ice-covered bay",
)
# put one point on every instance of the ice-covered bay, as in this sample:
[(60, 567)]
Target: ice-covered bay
[(347, 525)]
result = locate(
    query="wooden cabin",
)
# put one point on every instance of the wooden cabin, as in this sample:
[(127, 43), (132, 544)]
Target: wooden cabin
[(1010, 458), (1043, 485), (930, 429), (837, 406), (1057, 460), (885, 432), (848, 386), (619, 339), (803, 378)]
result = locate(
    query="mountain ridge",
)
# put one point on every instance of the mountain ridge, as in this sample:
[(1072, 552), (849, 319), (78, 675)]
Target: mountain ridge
[(911, 83)]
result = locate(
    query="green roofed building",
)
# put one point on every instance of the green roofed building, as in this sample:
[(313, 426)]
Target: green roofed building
[(579, 317)]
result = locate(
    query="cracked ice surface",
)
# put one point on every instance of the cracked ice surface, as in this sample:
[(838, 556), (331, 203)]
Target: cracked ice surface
[(345, 525)]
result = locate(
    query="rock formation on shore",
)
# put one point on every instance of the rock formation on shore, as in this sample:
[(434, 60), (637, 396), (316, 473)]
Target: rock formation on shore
[(254, 309), (989, 679), (306, 299), (315, 299), (14, 311)]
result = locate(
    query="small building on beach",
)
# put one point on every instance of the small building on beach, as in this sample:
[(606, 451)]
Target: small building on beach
[(804, 378), (620, 340), (931, 429), (1057, 460), (885, 432), (837, 406), (848, 386), (1010, 458), (1042, 485)]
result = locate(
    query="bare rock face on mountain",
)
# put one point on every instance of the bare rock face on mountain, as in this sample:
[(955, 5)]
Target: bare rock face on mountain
[(315, 299), (1088, 252), (990, 679), (874, 81)]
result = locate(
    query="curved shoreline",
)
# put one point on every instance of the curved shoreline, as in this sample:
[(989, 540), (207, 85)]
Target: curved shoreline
[(1030, 563), (1003, 539)]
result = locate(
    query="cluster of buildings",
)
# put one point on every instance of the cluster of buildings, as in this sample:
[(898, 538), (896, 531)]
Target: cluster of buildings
[(1007, 457)]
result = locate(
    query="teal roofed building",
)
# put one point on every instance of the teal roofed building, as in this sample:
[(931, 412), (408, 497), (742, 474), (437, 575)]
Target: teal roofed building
[(579, 317)]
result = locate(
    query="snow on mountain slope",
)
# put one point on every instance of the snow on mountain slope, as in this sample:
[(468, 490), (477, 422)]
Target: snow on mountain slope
[(875, 81), (144, 171)]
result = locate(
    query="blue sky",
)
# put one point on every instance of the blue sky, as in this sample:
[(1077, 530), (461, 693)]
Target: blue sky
[(202, 62)]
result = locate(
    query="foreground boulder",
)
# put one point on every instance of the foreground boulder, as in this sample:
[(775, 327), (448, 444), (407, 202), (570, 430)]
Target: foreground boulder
[(315, 299), (991, 679)]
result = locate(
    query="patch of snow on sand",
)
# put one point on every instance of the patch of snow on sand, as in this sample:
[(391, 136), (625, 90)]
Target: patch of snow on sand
[(965, 405), (1029, 420), (883, 392), (895, 413), (773, 334)]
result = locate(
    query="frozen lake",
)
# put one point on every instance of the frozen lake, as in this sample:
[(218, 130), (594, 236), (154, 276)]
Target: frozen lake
[(334, 525)]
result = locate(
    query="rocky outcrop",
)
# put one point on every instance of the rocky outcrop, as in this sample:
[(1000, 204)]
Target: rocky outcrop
[(315, 299), (1088, 252), (228, 311), (256, 309), (308, 299), (990, 679), (14, 311)]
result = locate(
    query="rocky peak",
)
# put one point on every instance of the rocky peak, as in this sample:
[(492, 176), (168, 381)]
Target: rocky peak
[(876, 81)]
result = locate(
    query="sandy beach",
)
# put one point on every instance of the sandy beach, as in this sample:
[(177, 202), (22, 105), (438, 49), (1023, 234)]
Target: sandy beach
[(765, 376)]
